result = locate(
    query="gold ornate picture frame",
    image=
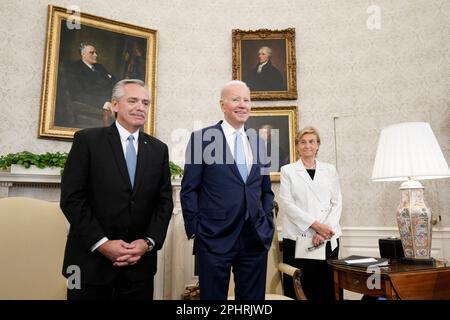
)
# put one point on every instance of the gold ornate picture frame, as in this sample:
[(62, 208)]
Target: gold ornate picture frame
[(265, 60), (75, 95), (284, 119)]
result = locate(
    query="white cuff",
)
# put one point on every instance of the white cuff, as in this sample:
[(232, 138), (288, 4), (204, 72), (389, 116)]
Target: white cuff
[(99, 243), (151, 240)]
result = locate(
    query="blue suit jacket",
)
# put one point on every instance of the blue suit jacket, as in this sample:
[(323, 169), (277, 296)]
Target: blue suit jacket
[(214, 197)]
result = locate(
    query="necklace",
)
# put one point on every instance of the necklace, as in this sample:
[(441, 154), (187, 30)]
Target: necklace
[(309, 167)]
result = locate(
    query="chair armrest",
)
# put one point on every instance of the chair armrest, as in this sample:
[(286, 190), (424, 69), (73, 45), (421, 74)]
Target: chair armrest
[(288, 269), (296, 274)]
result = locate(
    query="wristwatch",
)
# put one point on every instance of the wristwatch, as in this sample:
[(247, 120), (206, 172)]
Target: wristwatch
[(149, 244)]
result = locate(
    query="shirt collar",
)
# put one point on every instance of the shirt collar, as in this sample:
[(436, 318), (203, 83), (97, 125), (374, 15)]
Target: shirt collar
[(228, 129), (90, 66), (261, 66), (124, 133)]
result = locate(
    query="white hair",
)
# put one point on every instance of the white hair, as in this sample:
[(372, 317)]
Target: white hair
[(232, 83), (267, 50)]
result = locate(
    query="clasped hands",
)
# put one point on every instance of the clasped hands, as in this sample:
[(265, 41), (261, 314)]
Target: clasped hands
[(122, 253), (323, 232)]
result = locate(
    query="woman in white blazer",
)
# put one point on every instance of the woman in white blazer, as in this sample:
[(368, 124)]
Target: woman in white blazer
[(311, 203)]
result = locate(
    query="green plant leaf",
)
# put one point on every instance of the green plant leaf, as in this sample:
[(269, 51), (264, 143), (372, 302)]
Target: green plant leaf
[(175, 170), (26, 159), (57, 159)]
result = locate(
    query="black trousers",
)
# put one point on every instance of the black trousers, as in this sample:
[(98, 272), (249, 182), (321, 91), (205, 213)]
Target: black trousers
[(317, 276), (121, 288)]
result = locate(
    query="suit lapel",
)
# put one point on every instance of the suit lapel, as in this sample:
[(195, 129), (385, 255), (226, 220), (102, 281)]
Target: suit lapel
[(228, 154), (301, 170), (317, 179), (253, 140), (143, 158), (116, 146)]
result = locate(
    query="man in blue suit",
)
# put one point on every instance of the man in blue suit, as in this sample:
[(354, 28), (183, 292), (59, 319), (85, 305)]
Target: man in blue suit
[(227, 201)]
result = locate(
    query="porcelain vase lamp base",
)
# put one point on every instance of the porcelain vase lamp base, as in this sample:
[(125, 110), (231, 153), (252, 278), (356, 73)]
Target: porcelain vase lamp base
[(414, 224)]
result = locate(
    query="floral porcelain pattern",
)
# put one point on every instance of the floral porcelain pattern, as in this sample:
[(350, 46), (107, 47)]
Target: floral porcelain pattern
[(414, 224)]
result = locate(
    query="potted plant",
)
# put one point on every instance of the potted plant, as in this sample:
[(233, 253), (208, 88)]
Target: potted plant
[(50, 163), (46, 163), (175, 170)]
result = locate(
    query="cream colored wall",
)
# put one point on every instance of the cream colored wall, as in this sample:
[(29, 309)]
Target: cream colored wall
[(369, 78)]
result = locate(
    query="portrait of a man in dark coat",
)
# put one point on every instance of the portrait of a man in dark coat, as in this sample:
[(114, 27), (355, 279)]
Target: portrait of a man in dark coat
[(91, 61), (90, 82), (265, 76)]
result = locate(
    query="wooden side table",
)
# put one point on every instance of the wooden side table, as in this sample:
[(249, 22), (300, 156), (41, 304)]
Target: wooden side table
[(397, 281)]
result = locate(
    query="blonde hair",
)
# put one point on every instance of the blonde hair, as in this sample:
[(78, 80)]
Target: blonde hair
[(301, 133)]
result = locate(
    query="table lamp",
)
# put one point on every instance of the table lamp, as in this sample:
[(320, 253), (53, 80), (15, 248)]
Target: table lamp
[(409, 152)]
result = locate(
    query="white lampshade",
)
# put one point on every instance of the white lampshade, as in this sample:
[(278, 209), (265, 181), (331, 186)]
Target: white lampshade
[(409, 149)]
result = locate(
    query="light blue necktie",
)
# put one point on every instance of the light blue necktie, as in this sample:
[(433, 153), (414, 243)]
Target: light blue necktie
[(239, 156), (131, 158)]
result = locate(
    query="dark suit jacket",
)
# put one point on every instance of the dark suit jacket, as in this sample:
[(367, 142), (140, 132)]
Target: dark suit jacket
[(270, 79), (90, 87), (98, 201), (214, 197)]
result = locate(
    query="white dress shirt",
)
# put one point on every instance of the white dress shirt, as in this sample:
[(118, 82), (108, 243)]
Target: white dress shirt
[(229, 131), (90, 66), (261, 66), (124, 134)]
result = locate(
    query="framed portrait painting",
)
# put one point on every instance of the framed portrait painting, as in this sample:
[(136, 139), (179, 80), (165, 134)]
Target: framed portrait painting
[(277, 127), (85, 56), (265, 60)]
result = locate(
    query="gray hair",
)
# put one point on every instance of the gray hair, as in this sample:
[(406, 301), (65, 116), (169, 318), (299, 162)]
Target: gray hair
[(267, 50), (229, 84), (118, 90), (83, 45)]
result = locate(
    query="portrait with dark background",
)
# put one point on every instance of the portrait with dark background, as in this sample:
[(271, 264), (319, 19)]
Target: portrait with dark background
[(249, 57), (280, 122), (123, 56)]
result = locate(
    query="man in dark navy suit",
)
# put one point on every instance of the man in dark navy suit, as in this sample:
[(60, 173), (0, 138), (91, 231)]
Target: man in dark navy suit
[(227, 201)]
